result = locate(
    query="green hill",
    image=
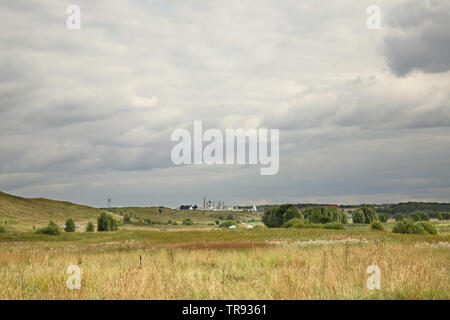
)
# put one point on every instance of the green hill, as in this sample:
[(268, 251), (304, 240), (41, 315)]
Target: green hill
[(23, 213)]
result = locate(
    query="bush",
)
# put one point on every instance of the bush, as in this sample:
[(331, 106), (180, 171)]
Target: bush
[(70, 225), (364, 214), (228, 223), (295, 223), (399, 217), (188, 222), (90, 227), (383, 217), (276, 216), (428, 227), (325, 215), (377, 225), (106, 222), (2, 229), (126, 218), (408, 226), (51, 229)]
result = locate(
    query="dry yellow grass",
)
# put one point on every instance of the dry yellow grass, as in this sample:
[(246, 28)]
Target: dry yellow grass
[(37, 270)]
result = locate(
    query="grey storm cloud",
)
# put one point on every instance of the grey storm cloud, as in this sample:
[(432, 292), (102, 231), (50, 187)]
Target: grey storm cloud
[(420, 38), (87, 114)]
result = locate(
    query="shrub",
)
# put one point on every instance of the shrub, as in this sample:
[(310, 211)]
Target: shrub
[(383, 217), (408, 226), (377, 225), (188, 222), (227, 224), (428, 227), (399, 217), (90, 227), (2, 229), (325, 215), (364, 214), (51, 229), (106, 222), (70, 225), (276, 216), (295, 223), (126, 218)]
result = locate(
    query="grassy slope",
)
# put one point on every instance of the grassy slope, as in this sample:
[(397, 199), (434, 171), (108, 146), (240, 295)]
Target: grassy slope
[(22, 213)]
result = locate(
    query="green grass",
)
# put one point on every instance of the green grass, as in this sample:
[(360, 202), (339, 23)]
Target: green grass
[(223, 235)]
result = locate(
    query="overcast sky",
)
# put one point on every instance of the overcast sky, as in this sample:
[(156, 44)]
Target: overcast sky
[(364, 115)]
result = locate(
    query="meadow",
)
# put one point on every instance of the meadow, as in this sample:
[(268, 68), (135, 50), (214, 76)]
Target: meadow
[(225, 264), (203, 261)]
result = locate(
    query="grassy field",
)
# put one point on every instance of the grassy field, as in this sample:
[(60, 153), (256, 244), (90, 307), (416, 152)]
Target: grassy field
[(225, 264), (202, 261)]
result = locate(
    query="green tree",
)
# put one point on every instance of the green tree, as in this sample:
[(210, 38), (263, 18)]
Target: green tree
[(420, 216), (106, 222), (399, 217), (276, 216), (383, 217), (444, 215), (364, 214), (325, 215), (70, 225)]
